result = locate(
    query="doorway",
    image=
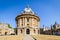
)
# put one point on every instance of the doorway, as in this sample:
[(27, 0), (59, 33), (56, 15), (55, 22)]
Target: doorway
[(27, 31), (5, 33)]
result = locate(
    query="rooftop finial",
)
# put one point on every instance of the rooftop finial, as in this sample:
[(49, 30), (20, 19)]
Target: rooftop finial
[(27, 6)]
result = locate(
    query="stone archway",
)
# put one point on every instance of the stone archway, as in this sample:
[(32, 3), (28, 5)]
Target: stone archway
[(27, 31), (5, 33)]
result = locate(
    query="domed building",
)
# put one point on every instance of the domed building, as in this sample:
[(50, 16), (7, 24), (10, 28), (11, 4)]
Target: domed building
[(27, 22)]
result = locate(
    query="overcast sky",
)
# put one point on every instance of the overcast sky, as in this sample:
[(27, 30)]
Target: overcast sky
[(47, 10)]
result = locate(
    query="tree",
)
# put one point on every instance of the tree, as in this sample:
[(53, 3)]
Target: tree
[(9, 26)]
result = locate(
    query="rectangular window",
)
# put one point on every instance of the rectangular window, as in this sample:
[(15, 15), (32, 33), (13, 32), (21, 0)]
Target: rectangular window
[(27, 19)]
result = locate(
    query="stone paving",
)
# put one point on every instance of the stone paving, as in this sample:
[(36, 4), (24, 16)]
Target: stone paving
[(28, 37)]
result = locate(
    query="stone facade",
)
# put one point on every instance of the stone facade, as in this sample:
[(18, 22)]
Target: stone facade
[(5, 30), (27, 22)]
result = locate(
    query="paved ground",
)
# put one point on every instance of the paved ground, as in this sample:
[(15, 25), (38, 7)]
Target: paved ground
[(28, 37)]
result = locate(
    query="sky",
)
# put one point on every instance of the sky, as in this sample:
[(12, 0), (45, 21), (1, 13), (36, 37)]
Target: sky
[(47, 10)]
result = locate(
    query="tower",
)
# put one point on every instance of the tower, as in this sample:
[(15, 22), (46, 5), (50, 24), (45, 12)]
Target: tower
[(27, 22)]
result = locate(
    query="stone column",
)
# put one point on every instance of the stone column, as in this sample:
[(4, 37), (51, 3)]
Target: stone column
[(16, 23), (30, 22), (38, 24), (20, 23), (35, 23), (25, 31), (18, 31), (36, 31), (25, 21)]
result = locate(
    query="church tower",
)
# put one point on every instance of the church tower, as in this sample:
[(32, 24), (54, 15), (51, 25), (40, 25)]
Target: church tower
[(27, 22)]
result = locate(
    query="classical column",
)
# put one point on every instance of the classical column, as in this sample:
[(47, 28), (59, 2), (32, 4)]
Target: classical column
[(33, 24), (25, 21), (18, 31), (17, 23), (36, 31), (30, 21), (20, 22), (38, 24)]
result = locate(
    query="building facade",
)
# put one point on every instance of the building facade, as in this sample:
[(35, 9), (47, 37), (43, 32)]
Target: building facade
[(54, 30), (5, 30), (27, 22)]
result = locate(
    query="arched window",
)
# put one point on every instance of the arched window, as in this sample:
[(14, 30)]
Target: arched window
[(21, 31), (34, 30)]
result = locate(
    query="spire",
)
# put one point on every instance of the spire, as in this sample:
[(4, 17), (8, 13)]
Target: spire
[(51, 27)]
